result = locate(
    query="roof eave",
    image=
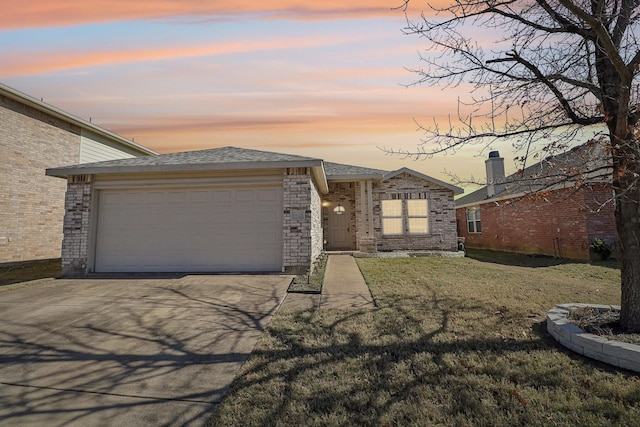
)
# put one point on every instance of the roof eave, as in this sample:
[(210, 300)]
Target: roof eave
[(353, 177), (554, 187), (320, 178), (494, 199), (65, 172)]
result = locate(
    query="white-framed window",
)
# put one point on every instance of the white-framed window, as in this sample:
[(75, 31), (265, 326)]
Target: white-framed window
[(400, 217), (417, 216), (474, 224), (392, 217)]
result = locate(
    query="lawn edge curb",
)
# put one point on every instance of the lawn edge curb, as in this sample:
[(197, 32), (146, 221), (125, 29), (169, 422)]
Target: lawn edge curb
[(615, 353)]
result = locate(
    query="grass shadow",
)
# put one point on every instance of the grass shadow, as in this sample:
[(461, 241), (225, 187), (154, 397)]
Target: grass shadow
[(531, 260), (11, 274), (325, 371), (451, 342)]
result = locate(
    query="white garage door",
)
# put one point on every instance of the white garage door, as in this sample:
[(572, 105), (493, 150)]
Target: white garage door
[(198, 229)]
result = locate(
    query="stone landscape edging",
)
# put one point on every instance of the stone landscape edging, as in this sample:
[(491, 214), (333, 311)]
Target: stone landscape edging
[(616, 353)]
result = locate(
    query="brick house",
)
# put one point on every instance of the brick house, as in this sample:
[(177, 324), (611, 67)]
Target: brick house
[(35, 136), (233, 209), (540, 210)]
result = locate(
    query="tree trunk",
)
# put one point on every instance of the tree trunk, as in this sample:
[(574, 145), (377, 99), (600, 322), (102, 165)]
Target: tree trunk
[(628, 227)]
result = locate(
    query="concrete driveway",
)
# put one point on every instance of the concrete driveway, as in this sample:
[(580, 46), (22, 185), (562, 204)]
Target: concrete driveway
[(128, 351)]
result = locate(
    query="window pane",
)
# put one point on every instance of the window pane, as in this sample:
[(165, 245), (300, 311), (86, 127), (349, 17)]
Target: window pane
[(392, 208), (470, 227), (417, 207), (418, 226), (473, 215), (478, 227), (392, 226)]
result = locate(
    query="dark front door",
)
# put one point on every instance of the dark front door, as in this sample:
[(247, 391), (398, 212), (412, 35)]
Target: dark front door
[(339, 233)]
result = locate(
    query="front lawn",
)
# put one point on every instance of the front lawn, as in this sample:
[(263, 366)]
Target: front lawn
[(456, 342)]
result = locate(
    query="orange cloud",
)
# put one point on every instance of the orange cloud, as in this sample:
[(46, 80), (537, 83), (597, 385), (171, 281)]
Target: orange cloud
[(50, 13), (348, 119)]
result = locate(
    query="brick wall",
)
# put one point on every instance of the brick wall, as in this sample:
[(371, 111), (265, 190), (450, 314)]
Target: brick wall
[(442, 215), (75, 245), (302, 233), (561, 224), (32, 204), (316, 223), (365, 242), (601, 221)]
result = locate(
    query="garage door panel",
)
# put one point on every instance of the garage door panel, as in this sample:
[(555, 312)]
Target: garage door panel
[(267, 239), (267, 217), (200, 197), (245, 196), (266, 195), (222, 196), (245, 217), (204, 229)]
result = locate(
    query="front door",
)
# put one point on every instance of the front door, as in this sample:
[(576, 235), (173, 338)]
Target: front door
[(339, 233)]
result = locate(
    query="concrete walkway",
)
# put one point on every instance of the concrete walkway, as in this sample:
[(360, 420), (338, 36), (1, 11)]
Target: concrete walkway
[(344, 288)]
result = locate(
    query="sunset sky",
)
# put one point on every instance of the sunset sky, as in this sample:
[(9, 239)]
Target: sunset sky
[(321, 79)]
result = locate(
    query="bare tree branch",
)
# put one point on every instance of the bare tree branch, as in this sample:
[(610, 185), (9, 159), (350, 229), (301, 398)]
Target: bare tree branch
[(554, 66)]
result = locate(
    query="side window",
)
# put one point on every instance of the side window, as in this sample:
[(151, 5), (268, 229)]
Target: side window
[(474, 223)]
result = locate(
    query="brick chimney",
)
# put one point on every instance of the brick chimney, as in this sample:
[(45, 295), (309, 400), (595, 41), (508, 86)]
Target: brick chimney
[(495, 174)]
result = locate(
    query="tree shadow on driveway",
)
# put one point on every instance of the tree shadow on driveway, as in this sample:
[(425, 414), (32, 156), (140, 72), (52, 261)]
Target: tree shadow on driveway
[(128, 351)]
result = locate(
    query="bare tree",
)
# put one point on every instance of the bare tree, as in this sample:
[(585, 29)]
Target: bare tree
[(553, 68)]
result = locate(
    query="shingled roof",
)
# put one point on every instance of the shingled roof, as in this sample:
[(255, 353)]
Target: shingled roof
[(587, 163), (336, 171), (223, 158), (233, 158)]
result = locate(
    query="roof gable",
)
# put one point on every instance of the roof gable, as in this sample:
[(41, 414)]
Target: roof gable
[(389, 175)]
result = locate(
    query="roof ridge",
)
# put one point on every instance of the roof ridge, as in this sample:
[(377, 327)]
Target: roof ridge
[(246, 150)]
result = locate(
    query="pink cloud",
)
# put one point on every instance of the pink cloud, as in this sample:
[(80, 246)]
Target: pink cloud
[(43, 62), (50, 13)]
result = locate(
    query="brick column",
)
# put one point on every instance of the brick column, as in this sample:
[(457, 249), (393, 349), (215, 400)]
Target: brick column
[(302, 232), (75, 244)]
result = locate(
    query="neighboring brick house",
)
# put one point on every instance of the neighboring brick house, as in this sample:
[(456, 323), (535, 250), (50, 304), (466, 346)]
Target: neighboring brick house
[(233, 209), (551, 208), (35, 136)]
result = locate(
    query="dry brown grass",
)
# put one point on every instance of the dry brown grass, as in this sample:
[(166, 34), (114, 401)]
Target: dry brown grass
[(452, 342), (20, 274)]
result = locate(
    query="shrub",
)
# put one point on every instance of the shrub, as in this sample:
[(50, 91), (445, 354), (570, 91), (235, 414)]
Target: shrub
[(601, 248)]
